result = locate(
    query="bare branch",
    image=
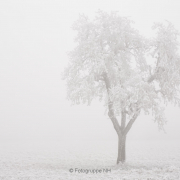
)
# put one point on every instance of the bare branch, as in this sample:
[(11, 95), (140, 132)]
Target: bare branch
[(130, 123)]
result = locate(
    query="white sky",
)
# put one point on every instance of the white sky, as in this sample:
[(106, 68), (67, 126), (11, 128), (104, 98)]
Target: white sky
[(35, 37)]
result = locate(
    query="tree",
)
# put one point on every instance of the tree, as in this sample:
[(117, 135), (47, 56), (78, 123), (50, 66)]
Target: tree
[(130, 73)]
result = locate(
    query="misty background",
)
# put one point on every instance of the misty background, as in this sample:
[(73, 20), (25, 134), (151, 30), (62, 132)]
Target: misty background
[(35, 37)]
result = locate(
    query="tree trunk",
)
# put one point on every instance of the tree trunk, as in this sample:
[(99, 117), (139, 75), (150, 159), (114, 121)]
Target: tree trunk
[(121, 149), (123, 129)]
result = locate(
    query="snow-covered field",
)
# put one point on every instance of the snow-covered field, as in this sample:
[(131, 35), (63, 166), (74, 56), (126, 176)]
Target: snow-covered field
[(53, 160)]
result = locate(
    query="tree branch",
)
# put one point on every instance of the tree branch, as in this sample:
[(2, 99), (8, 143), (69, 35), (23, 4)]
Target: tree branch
[(123, 120), (151, 78), (158, 70), (130, 123), (111, 114)]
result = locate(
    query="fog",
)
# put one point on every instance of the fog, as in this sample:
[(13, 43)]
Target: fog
[(35, 37)]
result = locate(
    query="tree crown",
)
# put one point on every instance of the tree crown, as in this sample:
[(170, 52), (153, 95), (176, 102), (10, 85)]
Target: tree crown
[(142, 73)]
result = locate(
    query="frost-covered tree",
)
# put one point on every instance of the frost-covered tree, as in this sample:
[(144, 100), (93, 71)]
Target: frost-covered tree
[(114, 63)]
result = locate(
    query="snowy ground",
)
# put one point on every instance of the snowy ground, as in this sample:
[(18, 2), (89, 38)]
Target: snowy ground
[(52, 160)]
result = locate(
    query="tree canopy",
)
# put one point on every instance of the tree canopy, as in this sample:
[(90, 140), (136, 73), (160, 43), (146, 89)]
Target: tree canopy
[(127, 71)]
